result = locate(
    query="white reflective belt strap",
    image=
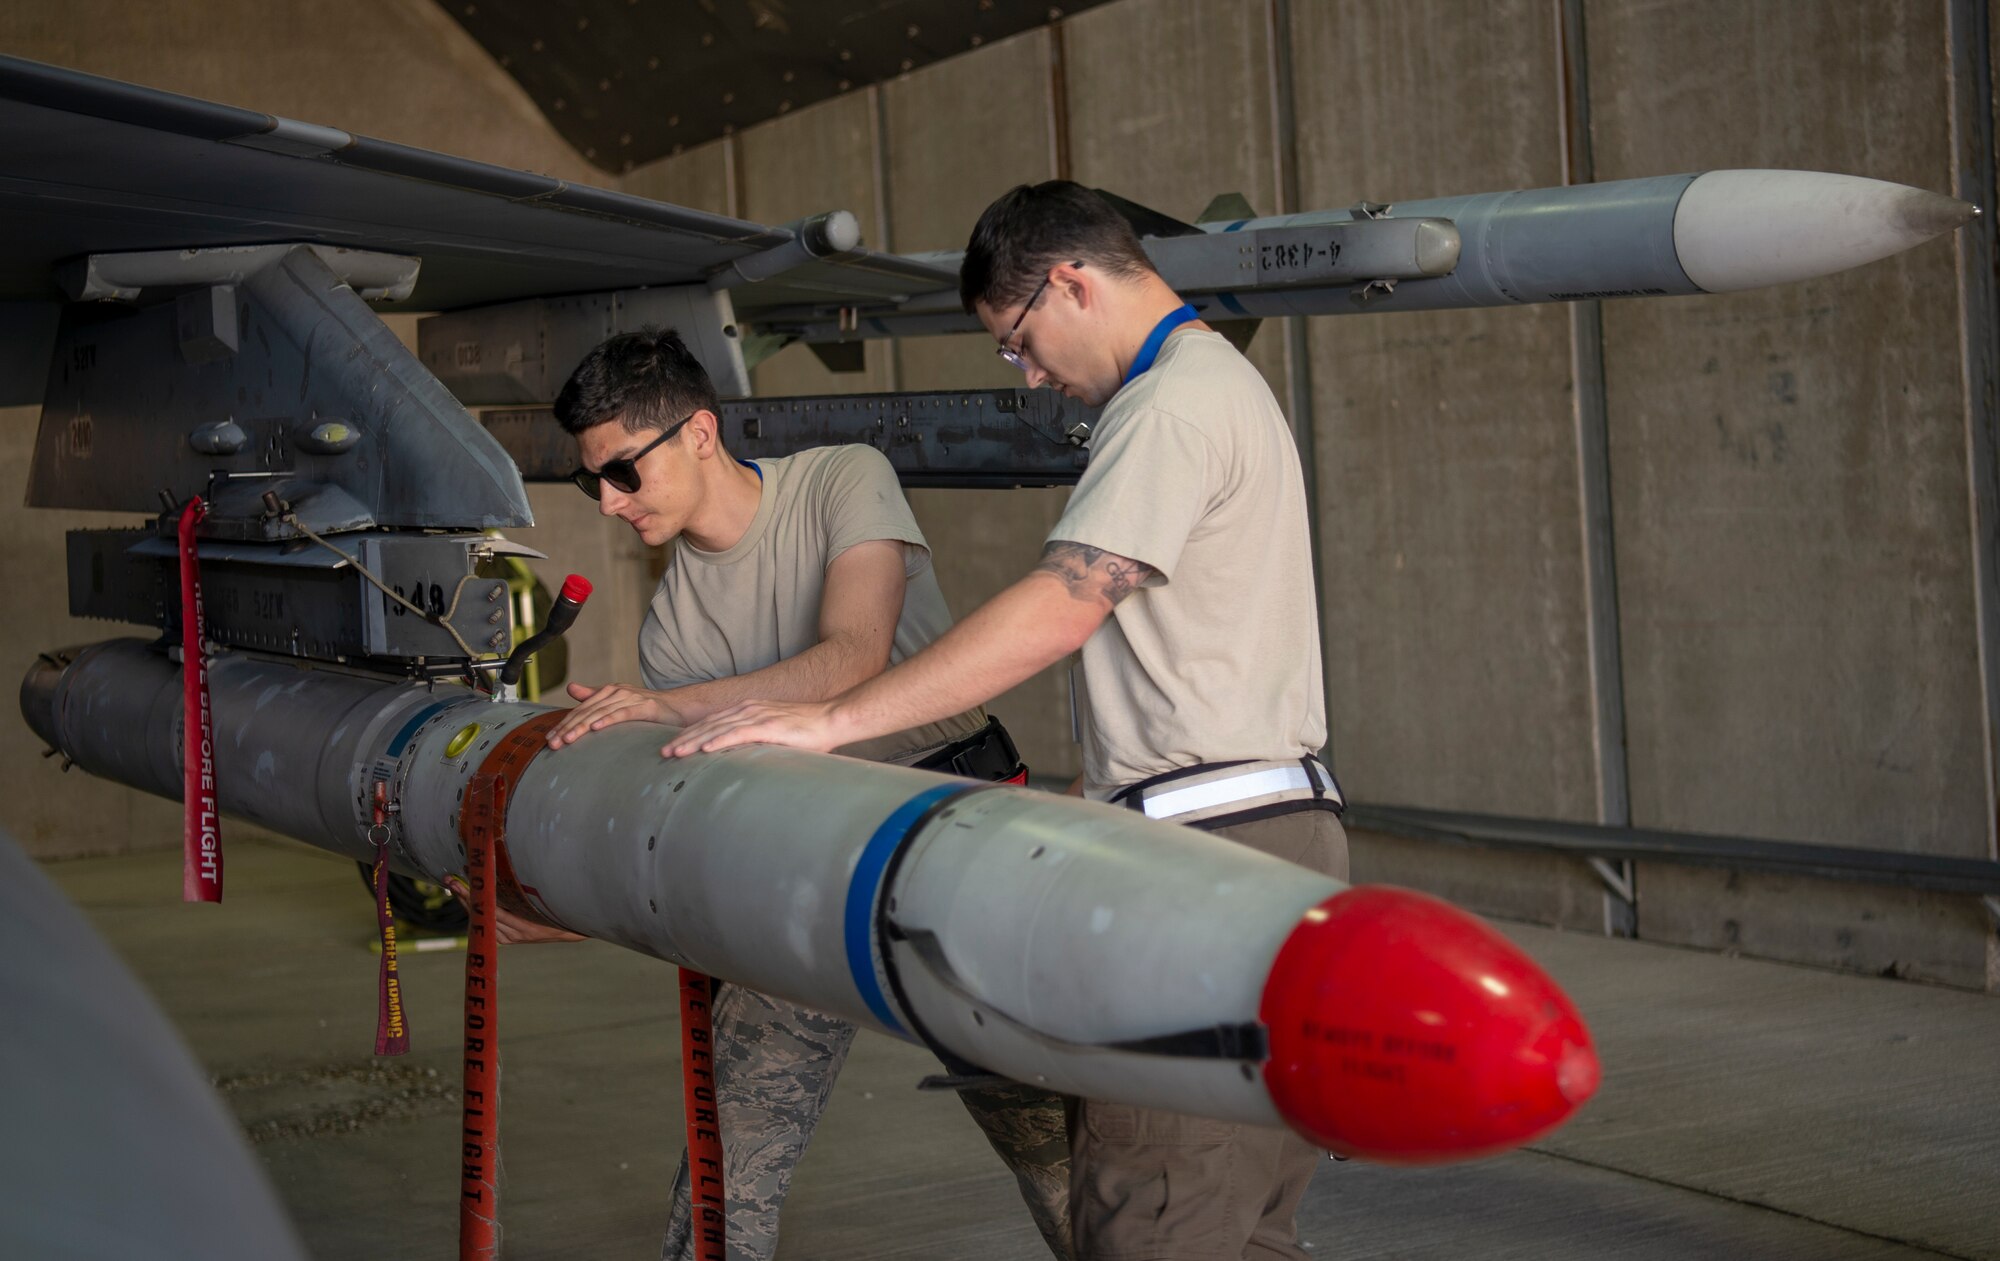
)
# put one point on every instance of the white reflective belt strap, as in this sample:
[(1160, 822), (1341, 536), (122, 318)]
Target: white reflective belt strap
[(1260, 780)]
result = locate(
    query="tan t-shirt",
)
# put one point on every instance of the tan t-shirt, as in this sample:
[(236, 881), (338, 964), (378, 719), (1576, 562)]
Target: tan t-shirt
[(720, 614), (1216, 658)]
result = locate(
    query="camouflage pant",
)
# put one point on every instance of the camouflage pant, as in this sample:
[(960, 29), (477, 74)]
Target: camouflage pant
[(774, 1068)]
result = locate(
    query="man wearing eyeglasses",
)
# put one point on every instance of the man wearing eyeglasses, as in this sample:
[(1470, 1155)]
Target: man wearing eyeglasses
[(1182, 570), (796, 577)]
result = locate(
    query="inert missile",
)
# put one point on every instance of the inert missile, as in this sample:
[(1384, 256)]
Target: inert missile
[(1047, 939), (1714, 232)]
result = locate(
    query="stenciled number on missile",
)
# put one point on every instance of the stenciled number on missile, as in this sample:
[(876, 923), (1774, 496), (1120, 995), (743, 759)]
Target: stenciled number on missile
[(1295, 256)]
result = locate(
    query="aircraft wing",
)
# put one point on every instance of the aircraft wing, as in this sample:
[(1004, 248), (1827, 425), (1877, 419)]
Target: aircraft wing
[(93, 166)]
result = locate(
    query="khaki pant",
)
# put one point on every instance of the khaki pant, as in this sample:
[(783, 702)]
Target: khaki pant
[(1147, 1185)]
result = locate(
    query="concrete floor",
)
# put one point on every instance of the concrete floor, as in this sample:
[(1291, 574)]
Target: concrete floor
[(1749, 1109)]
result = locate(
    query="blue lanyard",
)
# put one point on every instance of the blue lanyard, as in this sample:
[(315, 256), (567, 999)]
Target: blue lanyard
[(751, 466), (1156, 339)]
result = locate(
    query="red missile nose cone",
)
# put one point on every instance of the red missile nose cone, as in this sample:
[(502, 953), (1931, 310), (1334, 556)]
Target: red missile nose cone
[(1406, 1031)]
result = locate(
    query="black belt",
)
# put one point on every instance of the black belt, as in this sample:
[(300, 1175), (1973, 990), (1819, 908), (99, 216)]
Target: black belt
[(988, 754)]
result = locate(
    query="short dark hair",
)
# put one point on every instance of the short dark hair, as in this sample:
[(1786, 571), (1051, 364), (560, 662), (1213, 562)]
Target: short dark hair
[(1035, 227), (647, 379)]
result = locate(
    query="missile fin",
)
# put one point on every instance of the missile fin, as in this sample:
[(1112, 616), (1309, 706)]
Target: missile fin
[(841, 356), (1227, 207), (1239, 332), (1145, 220)]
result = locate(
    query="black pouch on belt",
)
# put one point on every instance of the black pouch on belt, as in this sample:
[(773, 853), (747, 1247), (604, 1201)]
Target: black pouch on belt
[(988, 754)]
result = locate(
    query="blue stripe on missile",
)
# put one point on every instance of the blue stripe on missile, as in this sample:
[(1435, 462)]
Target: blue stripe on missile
[(1229, 300), (864, 889), (1234, 226), (417, 720)]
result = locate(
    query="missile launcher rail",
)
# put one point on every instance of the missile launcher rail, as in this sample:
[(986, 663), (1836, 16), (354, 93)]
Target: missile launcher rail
[(966, 439), (301, 599)]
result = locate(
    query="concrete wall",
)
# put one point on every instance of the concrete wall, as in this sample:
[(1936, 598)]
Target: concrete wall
[(397, 69), (1790, 490), (1454, 610)]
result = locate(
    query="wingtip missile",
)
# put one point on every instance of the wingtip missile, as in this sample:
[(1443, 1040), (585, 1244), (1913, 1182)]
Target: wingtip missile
[(1659, 236)]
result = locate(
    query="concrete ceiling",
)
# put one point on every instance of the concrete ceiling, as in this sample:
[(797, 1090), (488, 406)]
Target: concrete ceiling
[(627, 81)]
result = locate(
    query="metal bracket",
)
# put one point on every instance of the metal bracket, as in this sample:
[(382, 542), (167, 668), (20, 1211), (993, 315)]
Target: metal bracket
[(1364, 293), (1618, 880), (1369, 209), (820, 236), (374, 276), (957, 438), (520, 353), (272, 362), (1621, 899)]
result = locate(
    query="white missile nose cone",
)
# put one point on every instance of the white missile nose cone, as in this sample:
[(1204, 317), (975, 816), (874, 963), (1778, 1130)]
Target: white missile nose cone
[(1747, 229)]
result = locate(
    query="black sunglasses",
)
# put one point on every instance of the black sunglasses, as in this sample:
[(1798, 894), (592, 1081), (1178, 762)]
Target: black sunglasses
[(624, 474)]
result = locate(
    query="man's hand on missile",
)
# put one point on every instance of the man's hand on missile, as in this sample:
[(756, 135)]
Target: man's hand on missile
[(609, 705), (798, 724), (510, 928), (1025, 629)]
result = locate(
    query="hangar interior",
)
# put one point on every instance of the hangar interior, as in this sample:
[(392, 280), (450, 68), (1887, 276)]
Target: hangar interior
[(1613, 594)]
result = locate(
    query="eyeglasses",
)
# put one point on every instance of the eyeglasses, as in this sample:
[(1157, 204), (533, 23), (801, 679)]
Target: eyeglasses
[(1007, 352), (624, 474)]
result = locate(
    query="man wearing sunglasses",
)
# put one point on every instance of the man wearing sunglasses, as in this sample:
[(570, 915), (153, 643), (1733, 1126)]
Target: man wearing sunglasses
[(796, 577), (1182, 571)]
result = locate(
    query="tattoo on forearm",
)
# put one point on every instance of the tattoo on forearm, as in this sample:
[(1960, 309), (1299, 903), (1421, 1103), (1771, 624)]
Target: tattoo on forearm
[(1092, 572)]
